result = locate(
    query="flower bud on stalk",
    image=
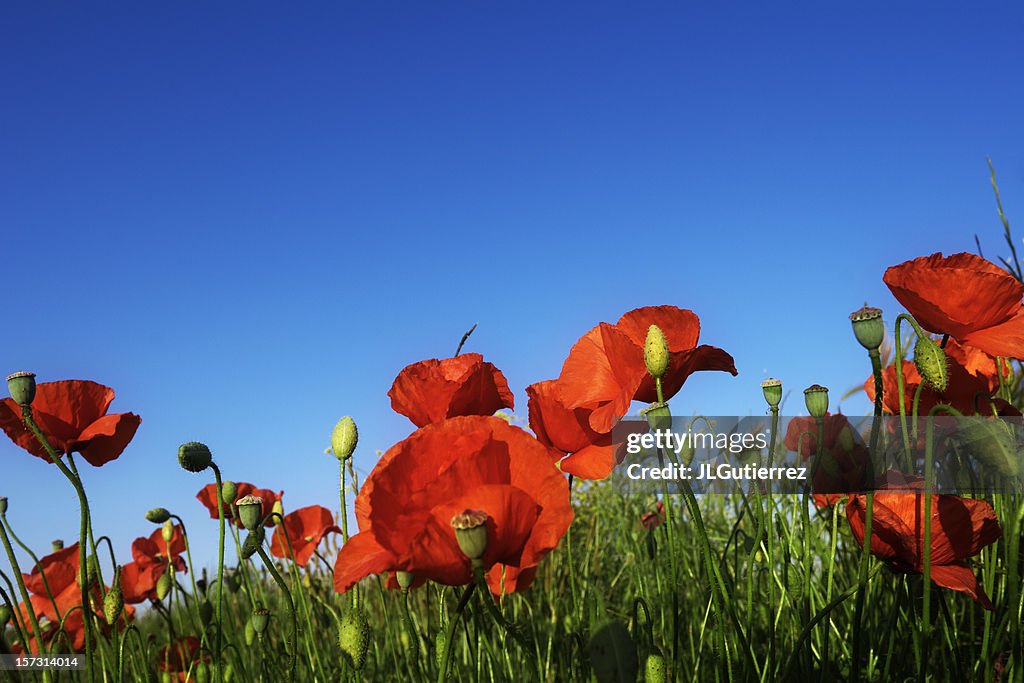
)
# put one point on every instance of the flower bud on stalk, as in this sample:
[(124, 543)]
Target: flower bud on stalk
[(654, 668), (868, 327), (816, 399), (404, 579), (344, 438), (354, 637), (163, 585), (250, 633), (158, 515), (228, 492), (167, 531), (3, 505), (471, 533), (22, 386), (278, 509), (5, 615), (772, 389), (113, 601), (931, 362), (194, 456), (656, 356), (250, 511)]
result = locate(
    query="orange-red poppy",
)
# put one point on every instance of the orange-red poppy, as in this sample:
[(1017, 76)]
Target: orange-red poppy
[(73, 416), (208, 497), (605, 370), (963, 295), (305, 528), (181, 657), (591, 454), (842, 467), (433, 390), (961, 527), (406, 505), (151, 559), (652, 519)]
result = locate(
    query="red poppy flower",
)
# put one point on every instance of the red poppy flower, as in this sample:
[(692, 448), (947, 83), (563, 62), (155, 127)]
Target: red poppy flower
[(181, 657), (208, 497), (152, 556), (844, 465), (503, 579), (73, 416), (406, 505), (305, 527), (652, 519), (963, 295), (605, 369), (961, 527), (433, 390), (591, 454)]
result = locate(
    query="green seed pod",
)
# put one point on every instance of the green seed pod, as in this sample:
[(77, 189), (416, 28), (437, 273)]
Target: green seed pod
[(57, 544), (471, 532), (22, 386), (404, 579), (250, 511), (250, 633), (228, 493), (194, 456), (868, 327), (167, 531), (931, 362), (816, 399), (344, 438), (113, 601), (772, 389), (654, 668), (158, 515), (354, 637), (252, 543), (658, 416), (613, 654), (260, 620), (656, 355), (163, 585)]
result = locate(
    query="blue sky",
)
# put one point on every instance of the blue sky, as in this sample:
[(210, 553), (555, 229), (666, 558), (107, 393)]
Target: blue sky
[(248, 218)]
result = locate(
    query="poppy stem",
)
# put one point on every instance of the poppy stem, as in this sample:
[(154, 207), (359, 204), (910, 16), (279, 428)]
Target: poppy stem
[(453, 622), (220, 566), (24, 591), (291, 607), (492, 609)]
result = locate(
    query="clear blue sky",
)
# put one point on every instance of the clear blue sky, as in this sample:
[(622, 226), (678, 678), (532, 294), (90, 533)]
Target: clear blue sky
[(246, 218)]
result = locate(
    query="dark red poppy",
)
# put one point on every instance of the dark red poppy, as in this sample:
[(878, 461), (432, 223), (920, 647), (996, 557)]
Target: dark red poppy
[(652, 519), (208, 497), (151, 556), (305, 527), (182, 657), (842, 467), (963, 295), (605, 370), (406, 505), (433, 390), (961, 527), (73, 416)]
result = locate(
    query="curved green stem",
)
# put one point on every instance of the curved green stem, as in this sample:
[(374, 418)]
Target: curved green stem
[(453, 622), (220, 565), (291, 607)]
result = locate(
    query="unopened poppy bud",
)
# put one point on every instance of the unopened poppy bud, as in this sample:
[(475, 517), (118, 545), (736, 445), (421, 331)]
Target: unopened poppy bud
[(868, 327), (167, 531), (228, 674), (228, 492), (250, 633), (816, 399), (250, 511), (439, 643), (194, 456), (278, 509), (163, 585), (656, 354), (658, 416), (56, 544), (772, 389), (344, 438), (3, 505), (404, 579), (113, 601), (22, 386), (654, 668), (158, 515), (354, 637), (471, 532), (260, 620), (92, 570), (252, 542), (5, 616), (931, 362)]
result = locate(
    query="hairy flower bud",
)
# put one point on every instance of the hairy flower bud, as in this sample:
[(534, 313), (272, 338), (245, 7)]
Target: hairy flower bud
[(868, 327), (228, 493), (163, 585), (22, 386), (158, 515), (194, 456), (113, 601), (654, 668), (167, 531), (471, 532), (931, 362), (816, 399), (250, 511), (354, 637), (656, 354), (772, 390), (344, 438)]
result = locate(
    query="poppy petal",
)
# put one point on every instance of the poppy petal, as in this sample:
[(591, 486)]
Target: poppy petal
[(961, 578), (106, 438), (359, 558)]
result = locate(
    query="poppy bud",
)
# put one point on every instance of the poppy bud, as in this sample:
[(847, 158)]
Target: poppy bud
[(260, 620), (228, 674), (158, 515), (250, 511), (253, 541), (113, 601), (772, 389), (656, 355), (816, 399), (5, 616), (167, 532), (228, 492), (250, 633), (344, 438), (654, 668), (868, 327), (613, 653), (56, 544), (658, 416), (404, 579), (92, 570), (163, 585), (3, 505), (439, 642), (194, 456), (202, 672), (278, 509), (931, 362), (471, 532), (354, 637), (22, 386)]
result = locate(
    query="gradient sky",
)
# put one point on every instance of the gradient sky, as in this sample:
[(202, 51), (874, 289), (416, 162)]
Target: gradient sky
[(247, 218)]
